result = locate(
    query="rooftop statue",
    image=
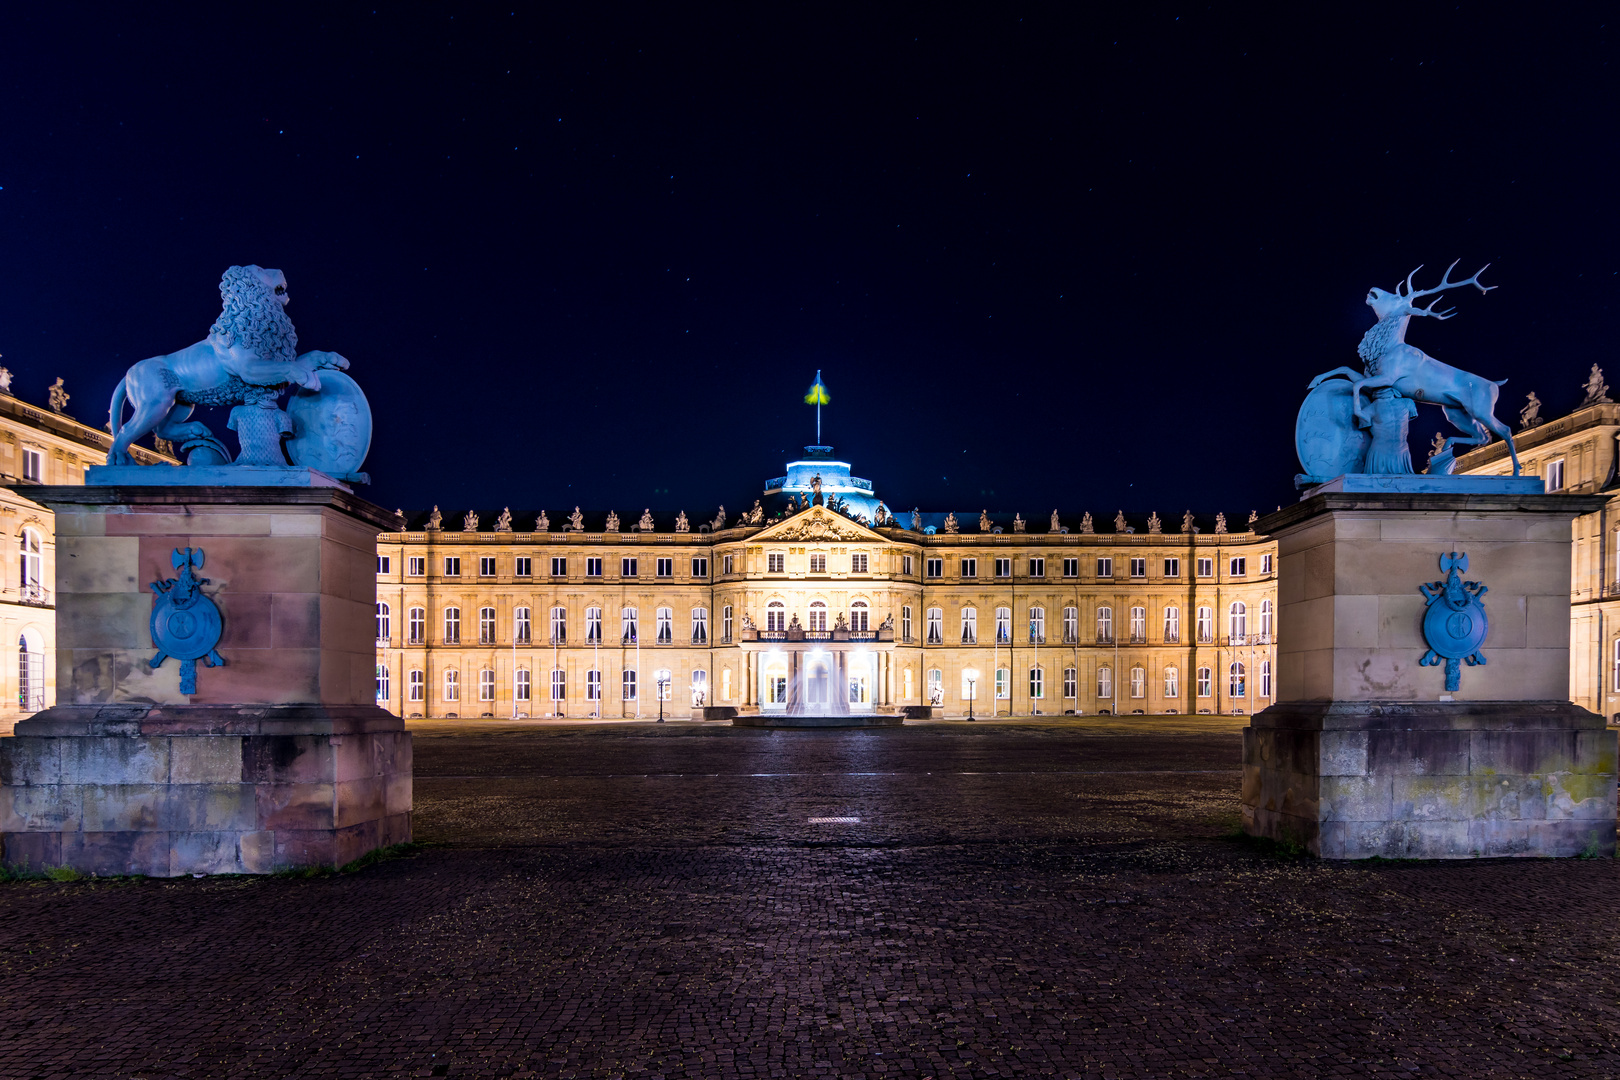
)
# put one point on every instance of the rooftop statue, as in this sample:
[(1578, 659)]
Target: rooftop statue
[(754, 516), (612, 521), (916, 519), (1018, 523), (1119, 523), (576, 521), (504, 522), (1055, 525), (1220, 524), (646, 522), (1597, 390), (542, 523), (59, 395), (1530, 415), (435, 519), (1356, 421), (950, 522), (1086, 527), (1155, 526), (984, 520), (720, 518), (1187, 525), (681, 524), (248, 358), (470, 522)]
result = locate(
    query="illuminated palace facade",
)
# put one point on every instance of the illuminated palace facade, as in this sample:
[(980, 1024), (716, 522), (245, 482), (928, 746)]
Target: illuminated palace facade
[(816, 600)]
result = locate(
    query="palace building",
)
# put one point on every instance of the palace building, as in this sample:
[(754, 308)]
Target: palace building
[(817, 599)]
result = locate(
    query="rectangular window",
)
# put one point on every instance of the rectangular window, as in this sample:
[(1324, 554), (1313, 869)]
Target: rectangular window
[(1037, 568), (936, 627), (33, 465), (520, 625), (1071, 626), (593, 686), (1206, 567), (905, 565), (559, 685), (857, 563), (666, 568), (818, 564), (452, 685), (1003, 684), (559, 625), (700, 626), (1105, 568), (1071, 567), (486, 626), (593, 626), (628, 682), (905, 623), (382, 684), (1138, 625), (1172, 683), (775, 562), (1138, 682), (452, 566), (383, 564), (628, 626), (418, 626), (725, 628), (665, 619), (936, 568), (1037, 684), (627, 567), (486, 685), (1238, 567), (521, 687), (486, 566), (1105, 682), (417, 682), (1037, 626), (700, 569), (1172, 568), (1003, 626), (1205, 682), (452, 626), (970, 568), (1265, 564), (1206, 625), (1071, 682), (936, 686), (416, 566), (970, 626), (727, 565), (593, 567), (1105, 626), (1172, 625), (559, 566), (1003, 568), (1555, 475), (1138, 568)]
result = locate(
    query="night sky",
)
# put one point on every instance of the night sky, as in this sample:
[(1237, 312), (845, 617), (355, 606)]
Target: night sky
[(1041, 257)]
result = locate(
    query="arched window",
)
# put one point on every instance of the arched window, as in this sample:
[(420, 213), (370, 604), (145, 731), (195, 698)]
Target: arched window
[(452, 684), (486, 626), (593, 686), (1037, 684), (1138, 681), (775, 617), (700, 688), (559, 684), (1172, 625), (725, 630), (1236, 681), (936, 686), (384, 623), (700, 626), (521, 627), (1206, 682), (1071, 626), (858, 621), (1206, 625), (1265, 678), (1265, 618), (1105, 625), (418, 683), (522, 684), (593, 626), (382, 684), (628, 684), (1238, 620), (666, 625), (30, 671), (486, 685), (936, 630), (418, 627), (1037, 626), (1138, 625), (1172, 683), (1003, 626), (818, 617), (970, 625), (1105, 682), (628, 628), (1071, 682), (559, 625), (452, 628)]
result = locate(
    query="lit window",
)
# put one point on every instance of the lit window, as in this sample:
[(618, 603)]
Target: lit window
[(858, 622), (700, 688), (382, 680), (593, 626), (1003, 684), (1138, 624), (1206, 625), (662, 683), (559, 685), (486, 685), (521, 686), (1071, 625), (417, 681), (452, 685), (1265, 678), (970, 626), (520, 625), (857, 563), (725, 628), (1037, 626), (384, 623), (1206, 682), (1172, 625), (818, 617), (665, 624), (593, 686), (1003, 626), (1105, 568), (1037, 684), (486, 626), (1238, 620), (1105, 625), (33, 465), (627, 685), (628, 626), (700, 626), (1172, 683), (936, 628), (1265, 619), (1138, 682), (905, 629), (775, 617), (936, 686), (1105, 682), (452, 626), (1555, 475), (775, 562), (559, 625), (1236, 683), (1265, 564), (418, 626)]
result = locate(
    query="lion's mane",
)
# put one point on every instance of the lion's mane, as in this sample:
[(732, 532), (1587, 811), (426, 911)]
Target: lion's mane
[(252, 317)]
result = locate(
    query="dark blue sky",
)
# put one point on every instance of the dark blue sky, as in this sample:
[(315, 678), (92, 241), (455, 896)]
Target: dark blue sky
[(1043, 258)]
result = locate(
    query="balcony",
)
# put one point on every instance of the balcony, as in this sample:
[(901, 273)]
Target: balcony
[(1138, 639), (35, 594), (1105, 639)]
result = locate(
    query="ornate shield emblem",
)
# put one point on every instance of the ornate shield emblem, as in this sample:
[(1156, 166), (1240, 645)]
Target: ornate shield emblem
[(1455, 624), (185, 624)]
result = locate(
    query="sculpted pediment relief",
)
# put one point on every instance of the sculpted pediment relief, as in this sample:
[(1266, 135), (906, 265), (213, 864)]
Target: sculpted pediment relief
[(818, 524)]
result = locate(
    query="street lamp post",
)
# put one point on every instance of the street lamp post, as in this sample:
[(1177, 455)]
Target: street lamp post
[(663, 685), (971, 695)]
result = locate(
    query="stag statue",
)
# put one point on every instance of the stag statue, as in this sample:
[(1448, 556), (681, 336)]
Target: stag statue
[(1468, 401)]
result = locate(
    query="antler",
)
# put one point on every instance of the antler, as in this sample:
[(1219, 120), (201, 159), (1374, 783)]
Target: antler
[(1445, 283)]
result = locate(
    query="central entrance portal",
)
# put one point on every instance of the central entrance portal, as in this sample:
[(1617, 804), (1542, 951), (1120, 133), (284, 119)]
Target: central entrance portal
[(816, 684)]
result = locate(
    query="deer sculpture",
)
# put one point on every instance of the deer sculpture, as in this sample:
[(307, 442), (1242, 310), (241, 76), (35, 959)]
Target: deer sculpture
[(1468, 401)]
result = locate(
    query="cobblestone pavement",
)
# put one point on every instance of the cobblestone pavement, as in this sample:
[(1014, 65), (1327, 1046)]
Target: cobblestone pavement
[(614, 900)]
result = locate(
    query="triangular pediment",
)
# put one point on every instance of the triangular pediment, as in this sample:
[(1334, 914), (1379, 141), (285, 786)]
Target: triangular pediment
[(817, 525)]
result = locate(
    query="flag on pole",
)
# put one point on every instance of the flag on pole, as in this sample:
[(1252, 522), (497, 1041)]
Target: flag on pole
[(818, 392)]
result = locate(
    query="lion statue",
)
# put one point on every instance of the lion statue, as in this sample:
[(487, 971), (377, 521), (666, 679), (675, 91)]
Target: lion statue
[(250, 351)]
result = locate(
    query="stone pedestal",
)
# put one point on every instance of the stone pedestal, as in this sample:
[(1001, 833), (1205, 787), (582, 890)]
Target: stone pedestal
[(1366, 753), (281, 757)]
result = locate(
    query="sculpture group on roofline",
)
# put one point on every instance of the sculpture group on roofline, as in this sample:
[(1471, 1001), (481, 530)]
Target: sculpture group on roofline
[(1357, 421)]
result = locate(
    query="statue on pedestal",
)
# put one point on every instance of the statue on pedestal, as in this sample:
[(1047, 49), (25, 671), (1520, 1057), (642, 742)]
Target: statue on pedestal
[(248, 358), (1356, 421), (504, 522), (1530, 415), (1597, 390)]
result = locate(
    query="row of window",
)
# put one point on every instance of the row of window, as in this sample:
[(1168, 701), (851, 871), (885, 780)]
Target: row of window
[(776, 690), (776, 621), (776, 563)]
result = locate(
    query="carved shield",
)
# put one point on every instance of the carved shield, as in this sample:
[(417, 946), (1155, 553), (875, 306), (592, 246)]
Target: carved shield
[(1325, 434), (185, 633)]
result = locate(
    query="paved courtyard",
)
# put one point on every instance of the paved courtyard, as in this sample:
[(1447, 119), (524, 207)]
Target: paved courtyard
[(1059, 898)]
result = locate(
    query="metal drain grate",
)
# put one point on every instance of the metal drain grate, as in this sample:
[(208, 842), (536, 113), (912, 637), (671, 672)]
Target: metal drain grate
[(835, 821)]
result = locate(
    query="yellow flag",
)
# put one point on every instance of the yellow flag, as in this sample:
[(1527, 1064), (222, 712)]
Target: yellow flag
[(818, 392)]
